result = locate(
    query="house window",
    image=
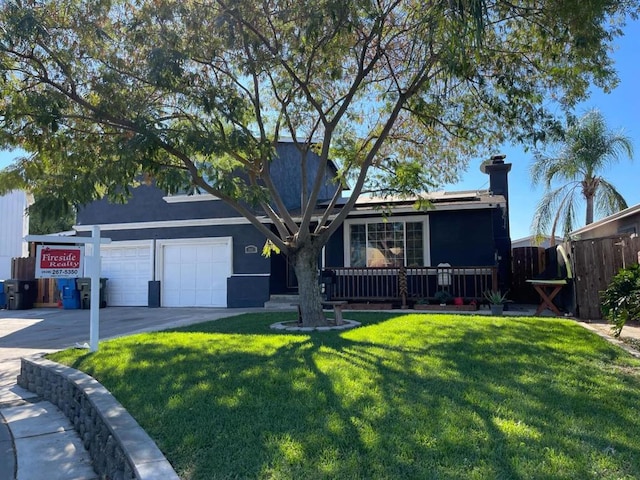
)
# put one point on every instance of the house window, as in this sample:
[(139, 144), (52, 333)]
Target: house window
[(374, 243)]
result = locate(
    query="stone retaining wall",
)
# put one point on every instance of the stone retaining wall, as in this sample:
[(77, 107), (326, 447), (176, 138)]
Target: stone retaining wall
[(119, 448)]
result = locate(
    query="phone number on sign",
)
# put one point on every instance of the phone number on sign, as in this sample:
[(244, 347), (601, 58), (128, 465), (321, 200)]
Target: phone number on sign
[(62, 272)]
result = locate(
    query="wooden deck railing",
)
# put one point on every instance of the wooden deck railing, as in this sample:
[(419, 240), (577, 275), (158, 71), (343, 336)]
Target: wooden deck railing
[(383, 284)]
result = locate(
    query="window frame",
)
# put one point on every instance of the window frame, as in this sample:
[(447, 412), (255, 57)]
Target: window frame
[(424, 219)]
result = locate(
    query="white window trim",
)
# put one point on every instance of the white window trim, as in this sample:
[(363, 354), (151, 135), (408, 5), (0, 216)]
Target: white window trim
[(196, 197), (196, 222), (424, 219)]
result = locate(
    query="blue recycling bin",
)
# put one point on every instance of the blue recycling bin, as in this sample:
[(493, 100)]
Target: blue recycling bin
[(3, 297), (69, 294)]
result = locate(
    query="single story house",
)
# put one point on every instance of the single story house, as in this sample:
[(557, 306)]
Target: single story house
[(533, 241), (203, 253), (624, 221)]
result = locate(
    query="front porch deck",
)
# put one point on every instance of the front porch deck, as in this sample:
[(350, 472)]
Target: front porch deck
[(408, 285)]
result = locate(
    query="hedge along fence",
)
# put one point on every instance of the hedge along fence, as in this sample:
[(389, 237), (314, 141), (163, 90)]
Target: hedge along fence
[(118, 446)]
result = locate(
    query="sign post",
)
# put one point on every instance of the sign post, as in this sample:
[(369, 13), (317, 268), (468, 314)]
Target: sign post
[(59, 265), (94, 274)]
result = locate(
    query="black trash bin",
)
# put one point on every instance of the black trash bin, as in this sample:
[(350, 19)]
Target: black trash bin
[(84, 286), (20, 294)]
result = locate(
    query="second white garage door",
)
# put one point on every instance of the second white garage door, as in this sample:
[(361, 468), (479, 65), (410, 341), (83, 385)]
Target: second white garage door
[(195, 272)]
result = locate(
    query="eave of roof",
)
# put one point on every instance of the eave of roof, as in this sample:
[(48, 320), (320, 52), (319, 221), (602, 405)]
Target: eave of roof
[(611, 218)]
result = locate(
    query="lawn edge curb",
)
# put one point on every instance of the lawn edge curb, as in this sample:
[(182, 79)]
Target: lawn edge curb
[(610, 339), (119, 447)]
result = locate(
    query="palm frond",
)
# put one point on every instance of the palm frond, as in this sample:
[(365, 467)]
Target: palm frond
[(608, 200), (552, 208), (588, 147)]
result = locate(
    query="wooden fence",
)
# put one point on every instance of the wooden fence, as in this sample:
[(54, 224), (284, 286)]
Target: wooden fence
[(527, 263), (24, 268), (595, 262)]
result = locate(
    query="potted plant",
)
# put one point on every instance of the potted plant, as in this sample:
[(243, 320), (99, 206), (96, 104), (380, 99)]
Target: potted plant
[(443, 297), (496, 301)]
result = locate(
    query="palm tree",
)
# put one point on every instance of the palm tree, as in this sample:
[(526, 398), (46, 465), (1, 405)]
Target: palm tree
[(587, 149)]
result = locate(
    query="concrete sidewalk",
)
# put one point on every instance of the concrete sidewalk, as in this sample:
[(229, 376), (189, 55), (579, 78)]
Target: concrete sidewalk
[(37, 442)]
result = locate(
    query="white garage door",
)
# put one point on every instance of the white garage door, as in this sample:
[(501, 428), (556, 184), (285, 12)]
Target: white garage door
[(195, 272), (127, 267)]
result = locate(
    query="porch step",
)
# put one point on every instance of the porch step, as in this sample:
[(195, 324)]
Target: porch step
[(281, 301)]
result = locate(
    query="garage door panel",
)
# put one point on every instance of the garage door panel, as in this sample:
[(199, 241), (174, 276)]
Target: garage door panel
[(128, 270), (204, 254), (195, 274), (187, 281)]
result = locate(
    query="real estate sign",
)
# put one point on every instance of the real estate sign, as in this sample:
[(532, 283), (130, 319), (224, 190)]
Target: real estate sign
[(54, 261)]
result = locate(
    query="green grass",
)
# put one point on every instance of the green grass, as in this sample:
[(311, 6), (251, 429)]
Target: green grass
[(403, 397)]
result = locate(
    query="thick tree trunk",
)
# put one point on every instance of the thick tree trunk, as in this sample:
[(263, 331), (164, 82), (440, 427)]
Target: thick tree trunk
[(305, 264)]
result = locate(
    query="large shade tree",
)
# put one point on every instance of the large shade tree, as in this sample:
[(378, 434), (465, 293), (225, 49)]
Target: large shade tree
[(573, 174), (195, 94)]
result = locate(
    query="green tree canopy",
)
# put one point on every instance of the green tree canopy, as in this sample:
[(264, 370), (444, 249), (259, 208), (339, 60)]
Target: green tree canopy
[(191, 93), (577, 163), (50, 215)]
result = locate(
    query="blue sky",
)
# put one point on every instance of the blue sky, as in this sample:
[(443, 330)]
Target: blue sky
[(621, 109)]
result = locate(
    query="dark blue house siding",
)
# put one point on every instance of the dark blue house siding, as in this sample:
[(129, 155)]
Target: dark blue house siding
[(462, 238), (244, 292), (146, 204), (334, 250)]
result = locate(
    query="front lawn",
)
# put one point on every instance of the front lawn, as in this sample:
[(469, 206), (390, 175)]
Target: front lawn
[(402, 397)]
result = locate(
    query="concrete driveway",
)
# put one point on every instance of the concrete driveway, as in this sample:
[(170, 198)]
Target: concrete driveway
[(51, 328)]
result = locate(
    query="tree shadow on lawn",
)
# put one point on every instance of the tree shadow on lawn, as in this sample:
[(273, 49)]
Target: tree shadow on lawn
[(407, 398), (259, 323)]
